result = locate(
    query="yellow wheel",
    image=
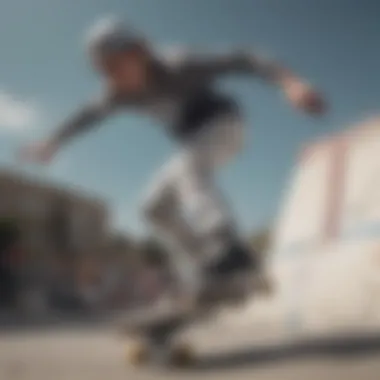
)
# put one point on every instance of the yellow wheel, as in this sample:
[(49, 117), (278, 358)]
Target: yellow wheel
[(182, 355), (137, 354)]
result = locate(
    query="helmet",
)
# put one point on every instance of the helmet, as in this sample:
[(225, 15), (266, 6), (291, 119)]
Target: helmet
[(110, 35)]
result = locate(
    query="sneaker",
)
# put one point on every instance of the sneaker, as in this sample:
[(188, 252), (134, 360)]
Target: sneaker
[(235, 259)]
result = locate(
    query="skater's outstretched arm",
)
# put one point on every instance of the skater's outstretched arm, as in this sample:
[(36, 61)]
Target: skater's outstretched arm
[(87, 117), (83, 120), (298, 91), (234, 62)]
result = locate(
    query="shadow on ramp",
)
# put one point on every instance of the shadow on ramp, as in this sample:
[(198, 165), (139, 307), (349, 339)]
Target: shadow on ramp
[(342, 347)]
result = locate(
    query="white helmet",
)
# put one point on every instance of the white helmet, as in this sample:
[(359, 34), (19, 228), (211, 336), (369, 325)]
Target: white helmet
[(110, 35)]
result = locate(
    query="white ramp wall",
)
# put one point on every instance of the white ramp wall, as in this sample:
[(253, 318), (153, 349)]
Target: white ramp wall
[(335, 191), (361, 199), (326, 252), (301, 221)]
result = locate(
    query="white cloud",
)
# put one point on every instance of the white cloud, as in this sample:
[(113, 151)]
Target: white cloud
[(16, 115)]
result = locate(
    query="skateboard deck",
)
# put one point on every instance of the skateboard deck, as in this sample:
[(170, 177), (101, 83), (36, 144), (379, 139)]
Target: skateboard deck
[(154, 330), (153, 336)]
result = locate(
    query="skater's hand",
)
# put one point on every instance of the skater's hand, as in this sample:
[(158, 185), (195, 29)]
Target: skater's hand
[(304, 97), (41, 153)]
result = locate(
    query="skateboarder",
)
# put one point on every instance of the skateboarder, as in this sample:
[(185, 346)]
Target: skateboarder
[(183, 205)]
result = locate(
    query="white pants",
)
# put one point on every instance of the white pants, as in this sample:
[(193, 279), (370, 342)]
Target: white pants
[(184, 205)]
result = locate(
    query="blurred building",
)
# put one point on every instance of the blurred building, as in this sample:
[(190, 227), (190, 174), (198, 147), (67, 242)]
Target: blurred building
[(58, 227), (49, 216), (66, 256)]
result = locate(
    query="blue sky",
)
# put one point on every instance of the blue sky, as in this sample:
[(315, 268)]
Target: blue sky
[(44, 76)]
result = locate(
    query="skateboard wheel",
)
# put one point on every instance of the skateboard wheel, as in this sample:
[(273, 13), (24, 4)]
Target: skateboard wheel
[(137, 354), (182, 355)]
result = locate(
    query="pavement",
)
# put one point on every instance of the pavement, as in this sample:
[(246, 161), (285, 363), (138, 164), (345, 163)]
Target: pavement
[(225, 351)]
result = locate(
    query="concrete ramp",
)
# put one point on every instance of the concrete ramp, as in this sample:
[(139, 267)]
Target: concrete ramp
[(325, 257)]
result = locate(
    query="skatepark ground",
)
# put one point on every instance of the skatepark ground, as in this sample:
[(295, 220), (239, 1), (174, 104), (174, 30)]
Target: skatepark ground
[(79, 351)]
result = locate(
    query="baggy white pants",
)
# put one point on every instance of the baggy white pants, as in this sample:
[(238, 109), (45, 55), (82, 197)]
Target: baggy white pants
[(184, 205)]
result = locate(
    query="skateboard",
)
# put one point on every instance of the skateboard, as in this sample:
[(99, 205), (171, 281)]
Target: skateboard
[(154, 333), (152, 337)]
